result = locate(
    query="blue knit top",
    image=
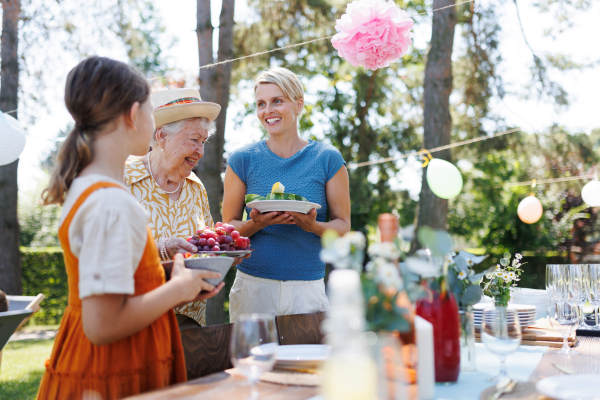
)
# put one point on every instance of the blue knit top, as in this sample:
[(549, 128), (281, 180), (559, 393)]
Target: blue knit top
[(286, 252)]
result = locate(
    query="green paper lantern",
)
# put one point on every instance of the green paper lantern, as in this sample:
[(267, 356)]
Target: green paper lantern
[(444, 179)]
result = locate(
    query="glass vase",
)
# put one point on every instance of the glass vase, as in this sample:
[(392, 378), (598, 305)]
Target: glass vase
[(467, 339), (440, 309)]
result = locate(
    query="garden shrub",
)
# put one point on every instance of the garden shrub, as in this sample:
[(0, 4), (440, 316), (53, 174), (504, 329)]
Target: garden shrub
[(44, 272)]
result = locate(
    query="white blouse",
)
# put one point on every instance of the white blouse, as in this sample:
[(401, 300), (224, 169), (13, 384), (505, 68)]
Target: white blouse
[(108, 236)]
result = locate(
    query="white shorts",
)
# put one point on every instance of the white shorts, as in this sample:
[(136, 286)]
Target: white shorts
[(250, 294)]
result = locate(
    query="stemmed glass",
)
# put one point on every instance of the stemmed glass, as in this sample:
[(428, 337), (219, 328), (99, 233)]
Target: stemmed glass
[(253, 347), (564, 320), (592, 290), (556, 281), (501, 334), (576, 287)]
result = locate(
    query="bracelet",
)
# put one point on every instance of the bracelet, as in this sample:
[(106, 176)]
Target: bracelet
[(162, 249)]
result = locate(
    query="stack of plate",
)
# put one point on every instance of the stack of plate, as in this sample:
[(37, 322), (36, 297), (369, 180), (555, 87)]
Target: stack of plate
[(526, 313), (535, 297), (301, 356)]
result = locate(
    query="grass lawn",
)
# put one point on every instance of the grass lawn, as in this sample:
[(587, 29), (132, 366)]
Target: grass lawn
[(22, 368)]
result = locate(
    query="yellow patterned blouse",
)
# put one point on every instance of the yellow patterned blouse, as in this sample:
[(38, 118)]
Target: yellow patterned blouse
[(168, 218)]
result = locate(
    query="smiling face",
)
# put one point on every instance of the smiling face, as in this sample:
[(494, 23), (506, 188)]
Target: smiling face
[(277, 113), (182, 149)]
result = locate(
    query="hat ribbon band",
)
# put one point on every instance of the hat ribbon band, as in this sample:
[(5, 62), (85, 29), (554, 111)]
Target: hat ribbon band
[(184, 100)]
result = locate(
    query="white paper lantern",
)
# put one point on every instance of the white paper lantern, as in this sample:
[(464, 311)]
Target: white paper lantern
[(12, 139), (444, 179), (530, 210), (591, 194)]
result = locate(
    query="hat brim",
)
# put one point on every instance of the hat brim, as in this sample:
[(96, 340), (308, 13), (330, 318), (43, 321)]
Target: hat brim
[(167, 115)]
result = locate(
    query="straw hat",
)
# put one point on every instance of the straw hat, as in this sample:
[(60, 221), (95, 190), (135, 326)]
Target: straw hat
[(176, 104)]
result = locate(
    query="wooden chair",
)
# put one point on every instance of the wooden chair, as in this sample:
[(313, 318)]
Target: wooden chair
[(300, 328), (206, 349), (9, 321), (32, 303)]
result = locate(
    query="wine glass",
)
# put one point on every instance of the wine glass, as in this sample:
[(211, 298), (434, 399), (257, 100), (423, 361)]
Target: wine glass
[(253, 347), (592, 289), (563, 317), (576, 287), (556, 281), (501, 334)]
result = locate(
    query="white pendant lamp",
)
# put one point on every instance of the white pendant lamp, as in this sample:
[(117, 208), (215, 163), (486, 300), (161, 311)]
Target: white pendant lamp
[(12, 139)]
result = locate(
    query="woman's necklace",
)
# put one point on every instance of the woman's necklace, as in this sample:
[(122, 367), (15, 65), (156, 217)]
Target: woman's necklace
[(150, 168)]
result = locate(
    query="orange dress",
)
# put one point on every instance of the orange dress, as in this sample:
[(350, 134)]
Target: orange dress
[(149, 359)]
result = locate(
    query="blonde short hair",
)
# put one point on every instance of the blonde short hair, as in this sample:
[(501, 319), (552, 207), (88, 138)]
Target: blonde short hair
[(287, 81)]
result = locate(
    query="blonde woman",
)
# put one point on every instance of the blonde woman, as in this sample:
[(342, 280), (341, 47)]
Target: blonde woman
[(284, 275)]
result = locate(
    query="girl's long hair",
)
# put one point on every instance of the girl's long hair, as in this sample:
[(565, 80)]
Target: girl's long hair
[(98, 91)]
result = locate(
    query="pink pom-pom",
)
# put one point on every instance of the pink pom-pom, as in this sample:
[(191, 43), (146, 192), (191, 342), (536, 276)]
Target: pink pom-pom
[(373, 33)]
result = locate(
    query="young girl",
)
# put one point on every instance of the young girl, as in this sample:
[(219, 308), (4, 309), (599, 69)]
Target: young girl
[(118, 336)]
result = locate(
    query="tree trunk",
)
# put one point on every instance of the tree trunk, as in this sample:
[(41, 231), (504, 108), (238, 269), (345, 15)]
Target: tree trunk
[(433, 211), (214, 86), (10, 257)]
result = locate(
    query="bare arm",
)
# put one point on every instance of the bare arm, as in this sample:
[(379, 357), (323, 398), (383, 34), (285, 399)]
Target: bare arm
[(110, 317), (233, 208), (337, 191)]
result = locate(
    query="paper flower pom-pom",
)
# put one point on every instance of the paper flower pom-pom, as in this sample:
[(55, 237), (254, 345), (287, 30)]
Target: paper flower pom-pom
[(373, 33)]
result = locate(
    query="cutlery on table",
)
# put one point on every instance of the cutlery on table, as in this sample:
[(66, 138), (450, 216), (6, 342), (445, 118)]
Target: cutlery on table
[(504, 386), (564, 369)]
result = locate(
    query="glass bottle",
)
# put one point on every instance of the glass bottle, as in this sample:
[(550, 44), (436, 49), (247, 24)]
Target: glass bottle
[(350, 372)]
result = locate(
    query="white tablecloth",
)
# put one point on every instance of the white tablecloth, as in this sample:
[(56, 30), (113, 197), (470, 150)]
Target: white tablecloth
[(519, 365)]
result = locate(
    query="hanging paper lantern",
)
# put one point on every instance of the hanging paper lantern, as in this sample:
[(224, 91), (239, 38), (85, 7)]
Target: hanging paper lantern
[(372, 33), (12, 139), (444, 179), (591, 194), (530, 210)]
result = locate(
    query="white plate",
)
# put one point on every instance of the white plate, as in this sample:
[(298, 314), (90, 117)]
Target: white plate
[(570, 387), (301, 355), (517, 307), (303, 207)]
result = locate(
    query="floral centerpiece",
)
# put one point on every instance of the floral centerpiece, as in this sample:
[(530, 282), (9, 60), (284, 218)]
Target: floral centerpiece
[(504, 277), (462, 279), (464, 283), (382, 284), (382, 281)]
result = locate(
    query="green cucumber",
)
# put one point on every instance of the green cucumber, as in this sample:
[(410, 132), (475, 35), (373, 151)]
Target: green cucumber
[(253, 197), (285, 196)]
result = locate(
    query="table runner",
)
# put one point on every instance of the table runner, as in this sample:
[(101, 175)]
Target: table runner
[(520, 365)]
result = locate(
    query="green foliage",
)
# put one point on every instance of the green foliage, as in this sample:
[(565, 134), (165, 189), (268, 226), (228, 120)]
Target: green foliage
[(38, 224), (383, 314), (44, 272), (22, 368), (462, 279), (364, 114), (140, 28)]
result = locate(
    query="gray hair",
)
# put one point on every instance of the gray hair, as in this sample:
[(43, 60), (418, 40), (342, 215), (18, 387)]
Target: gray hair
[(195, 123)]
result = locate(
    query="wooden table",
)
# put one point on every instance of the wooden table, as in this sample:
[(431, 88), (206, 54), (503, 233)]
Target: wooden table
[(228, 385), (231, 385)]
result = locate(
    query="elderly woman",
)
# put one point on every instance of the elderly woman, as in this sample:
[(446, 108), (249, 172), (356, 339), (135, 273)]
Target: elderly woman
[(284, 274), (163, 181)]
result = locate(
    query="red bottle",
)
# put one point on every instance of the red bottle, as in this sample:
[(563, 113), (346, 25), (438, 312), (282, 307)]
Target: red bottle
[(441, 310)]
